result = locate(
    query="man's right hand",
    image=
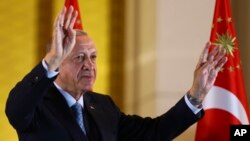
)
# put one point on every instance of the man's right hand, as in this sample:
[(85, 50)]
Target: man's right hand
[(63, 39)]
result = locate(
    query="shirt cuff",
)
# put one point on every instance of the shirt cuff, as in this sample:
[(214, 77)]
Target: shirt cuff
[(191, 106), (49, 74)]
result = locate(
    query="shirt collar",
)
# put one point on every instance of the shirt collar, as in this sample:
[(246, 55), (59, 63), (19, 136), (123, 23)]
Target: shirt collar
[(69, 98)]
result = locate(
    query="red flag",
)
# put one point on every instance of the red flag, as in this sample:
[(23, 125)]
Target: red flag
[(74, 3), (226, 103)]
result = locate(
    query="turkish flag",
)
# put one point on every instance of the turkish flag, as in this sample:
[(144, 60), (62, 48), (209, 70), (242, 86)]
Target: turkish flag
[(226, 103), (74, 3)]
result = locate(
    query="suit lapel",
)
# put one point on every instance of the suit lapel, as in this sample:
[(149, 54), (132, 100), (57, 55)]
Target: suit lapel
[(103, 121), (59, 108)]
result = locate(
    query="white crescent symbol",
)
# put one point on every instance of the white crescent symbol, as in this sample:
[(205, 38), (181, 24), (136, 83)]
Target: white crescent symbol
[(220, 98)]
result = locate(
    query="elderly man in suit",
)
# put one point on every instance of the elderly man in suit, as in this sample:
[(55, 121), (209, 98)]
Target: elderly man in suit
[(55, 100)]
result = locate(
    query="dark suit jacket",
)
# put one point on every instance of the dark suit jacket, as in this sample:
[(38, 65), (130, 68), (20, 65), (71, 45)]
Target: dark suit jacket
[(38, 112)]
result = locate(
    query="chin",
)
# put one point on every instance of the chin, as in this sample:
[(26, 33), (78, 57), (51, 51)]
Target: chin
[(88, 88), (86, 85)]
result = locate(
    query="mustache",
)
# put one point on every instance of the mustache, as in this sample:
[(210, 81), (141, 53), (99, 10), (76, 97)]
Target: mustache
[(87, 73)]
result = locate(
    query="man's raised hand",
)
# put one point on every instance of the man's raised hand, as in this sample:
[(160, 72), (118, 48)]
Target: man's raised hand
[(63, 39)]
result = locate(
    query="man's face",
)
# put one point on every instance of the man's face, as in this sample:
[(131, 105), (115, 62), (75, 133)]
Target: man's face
[(78, 70)]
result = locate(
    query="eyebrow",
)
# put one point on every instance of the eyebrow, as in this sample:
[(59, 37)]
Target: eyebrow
[(88, 43), (81, 52)]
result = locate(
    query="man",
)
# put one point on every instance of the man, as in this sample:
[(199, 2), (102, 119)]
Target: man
[(42, 107)]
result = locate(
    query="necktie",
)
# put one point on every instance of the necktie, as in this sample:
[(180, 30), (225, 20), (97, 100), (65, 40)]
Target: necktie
[(78, 113)]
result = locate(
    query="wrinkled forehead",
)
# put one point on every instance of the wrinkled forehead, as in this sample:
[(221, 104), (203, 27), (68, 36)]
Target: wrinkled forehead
[(83, 42)]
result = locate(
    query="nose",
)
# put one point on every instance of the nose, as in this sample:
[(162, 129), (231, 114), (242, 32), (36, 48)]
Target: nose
[(87, 64)]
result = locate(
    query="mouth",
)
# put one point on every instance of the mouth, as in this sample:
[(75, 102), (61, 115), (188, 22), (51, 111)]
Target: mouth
[(87, 77)]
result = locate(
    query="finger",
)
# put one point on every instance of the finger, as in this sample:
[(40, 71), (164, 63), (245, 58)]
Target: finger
[(59, 18), (68, 17), (73, 20), (218, 58), (212, 76), (206, 67), (203, 56), (72, 34), (63, 16), (221, 64), (71, 39), (214, 52)]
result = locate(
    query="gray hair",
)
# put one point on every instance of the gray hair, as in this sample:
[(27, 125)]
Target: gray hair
[(80, 32)]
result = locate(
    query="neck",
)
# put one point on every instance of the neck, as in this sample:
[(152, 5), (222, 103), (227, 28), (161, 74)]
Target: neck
[(72, 91)]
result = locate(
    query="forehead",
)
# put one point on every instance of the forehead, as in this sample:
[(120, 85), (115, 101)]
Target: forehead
[(83, 42)]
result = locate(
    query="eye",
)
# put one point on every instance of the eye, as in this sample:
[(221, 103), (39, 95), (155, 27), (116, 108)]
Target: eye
[(93, 57), (79, 58)]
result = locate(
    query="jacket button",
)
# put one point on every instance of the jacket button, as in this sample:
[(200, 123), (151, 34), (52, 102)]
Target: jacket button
[(36, 78)]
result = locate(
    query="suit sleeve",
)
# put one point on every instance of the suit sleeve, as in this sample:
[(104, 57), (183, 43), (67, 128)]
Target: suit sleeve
[(25, 97), (163, 128)]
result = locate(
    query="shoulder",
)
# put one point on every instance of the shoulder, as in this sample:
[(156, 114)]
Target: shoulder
[(103, 100), (96, 96)]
